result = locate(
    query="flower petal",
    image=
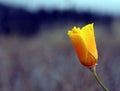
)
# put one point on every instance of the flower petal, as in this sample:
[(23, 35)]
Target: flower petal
[(87, 33), (90, 61), (78, 44)]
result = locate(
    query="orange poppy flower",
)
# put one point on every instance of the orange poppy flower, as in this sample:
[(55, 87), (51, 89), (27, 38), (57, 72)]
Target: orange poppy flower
[(84, 43)]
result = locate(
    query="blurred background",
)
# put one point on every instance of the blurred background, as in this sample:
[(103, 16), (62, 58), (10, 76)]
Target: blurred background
[(37, 55)]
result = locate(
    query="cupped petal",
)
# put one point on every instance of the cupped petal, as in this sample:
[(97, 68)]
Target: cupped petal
[(90, 61), (87, 34), (78, 43)]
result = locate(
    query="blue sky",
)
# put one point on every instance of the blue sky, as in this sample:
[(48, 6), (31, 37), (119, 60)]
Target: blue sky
[(102, 6)]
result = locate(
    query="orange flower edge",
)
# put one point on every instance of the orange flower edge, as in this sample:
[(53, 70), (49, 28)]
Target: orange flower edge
[(84, 43)]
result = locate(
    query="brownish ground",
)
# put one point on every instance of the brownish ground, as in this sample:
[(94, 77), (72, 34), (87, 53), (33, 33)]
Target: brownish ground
[(47, 62)]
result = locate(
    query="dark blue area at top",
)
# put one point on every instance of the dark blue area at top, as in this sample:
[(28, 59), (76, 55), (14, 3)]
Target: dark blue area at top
[(24, 23)]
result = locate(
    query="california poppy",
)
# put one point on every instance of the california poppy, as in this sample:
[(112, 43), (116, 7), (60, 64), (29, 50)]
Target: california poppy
[(84, 43)]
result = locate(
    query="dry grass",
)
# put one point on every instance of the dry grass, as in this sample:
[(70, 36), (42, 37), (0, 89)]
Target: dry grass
[(48, 62)]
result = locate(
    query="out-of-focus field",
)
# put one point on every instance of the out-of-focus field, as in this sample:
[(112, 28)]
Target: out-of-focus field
[(47, 62)]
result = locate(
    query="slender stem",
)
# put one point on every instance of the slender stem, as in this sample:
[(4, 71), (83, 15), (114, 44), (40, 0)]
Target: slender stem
[(93, 70)]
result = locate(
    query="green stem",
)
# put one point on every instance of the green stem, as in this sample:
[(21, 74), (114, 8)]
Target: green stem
[(93, 70)]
